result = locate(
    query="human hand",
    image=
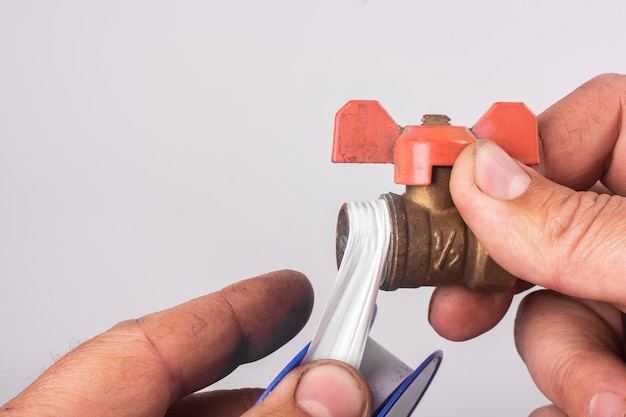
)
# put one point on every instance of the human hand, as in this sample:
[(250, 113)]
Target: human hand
[(546, 230), (150, 366)]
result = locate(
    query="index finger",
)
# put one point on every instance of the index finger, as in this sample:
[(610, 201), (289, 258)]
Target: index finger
[(139, 367), (583, 136), (205, 339)]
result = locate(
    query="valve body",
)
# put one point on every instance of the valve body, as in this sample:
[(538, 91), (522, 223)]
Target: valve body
[(430, 243)]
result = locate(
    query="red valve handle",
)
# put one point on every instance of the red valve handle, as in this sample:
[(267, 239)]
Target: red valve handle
[(365, 133)]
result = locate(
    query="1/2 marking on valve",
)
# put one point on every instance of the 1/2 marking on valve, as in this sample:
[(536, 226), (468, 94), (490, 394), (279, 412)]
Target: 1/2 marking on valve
[(446, 250)]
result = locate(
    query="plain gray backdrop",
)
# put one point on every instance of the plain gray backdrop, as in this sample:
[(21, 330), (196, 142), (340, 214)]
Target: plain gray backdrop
[(154, 151)]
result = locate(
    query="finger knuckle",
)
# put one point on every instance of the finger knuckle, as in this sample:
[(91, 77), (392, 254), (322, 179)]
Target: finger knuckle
[(579, 228)]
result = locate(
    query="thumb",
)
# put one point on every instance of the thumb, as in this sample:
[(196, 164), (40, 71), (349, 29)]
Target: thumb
[(539, 231), (324, 388)]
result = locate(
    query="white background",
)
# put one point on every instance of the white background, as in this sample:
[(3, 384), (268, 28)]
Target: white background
[(154, 151)]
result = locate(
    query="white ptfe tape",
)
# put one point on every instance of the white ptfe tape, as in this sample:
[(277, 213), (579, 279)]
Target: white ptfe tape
[(344, 327)]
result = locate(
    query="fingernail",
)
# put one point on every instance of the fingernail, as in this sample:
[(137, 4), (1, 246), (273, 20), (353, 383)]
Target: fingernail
[(330, 391), (607, 404), (497, 174)]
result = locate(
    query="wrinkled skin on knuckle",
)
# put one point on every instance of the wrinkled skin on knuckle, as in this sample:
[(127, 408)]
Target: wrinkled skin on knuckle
[(581, 235), (591, 113)]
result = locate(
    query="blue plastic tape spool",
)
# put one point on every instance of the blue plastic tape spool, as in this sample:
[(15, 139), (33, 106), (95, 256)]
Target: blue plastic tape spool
[(405, 398), (297, 360), (402, 400)]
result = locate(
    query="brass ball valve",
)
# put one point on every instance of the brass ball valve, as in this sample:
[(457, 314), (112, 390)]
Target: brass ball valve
[(430, 243)]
